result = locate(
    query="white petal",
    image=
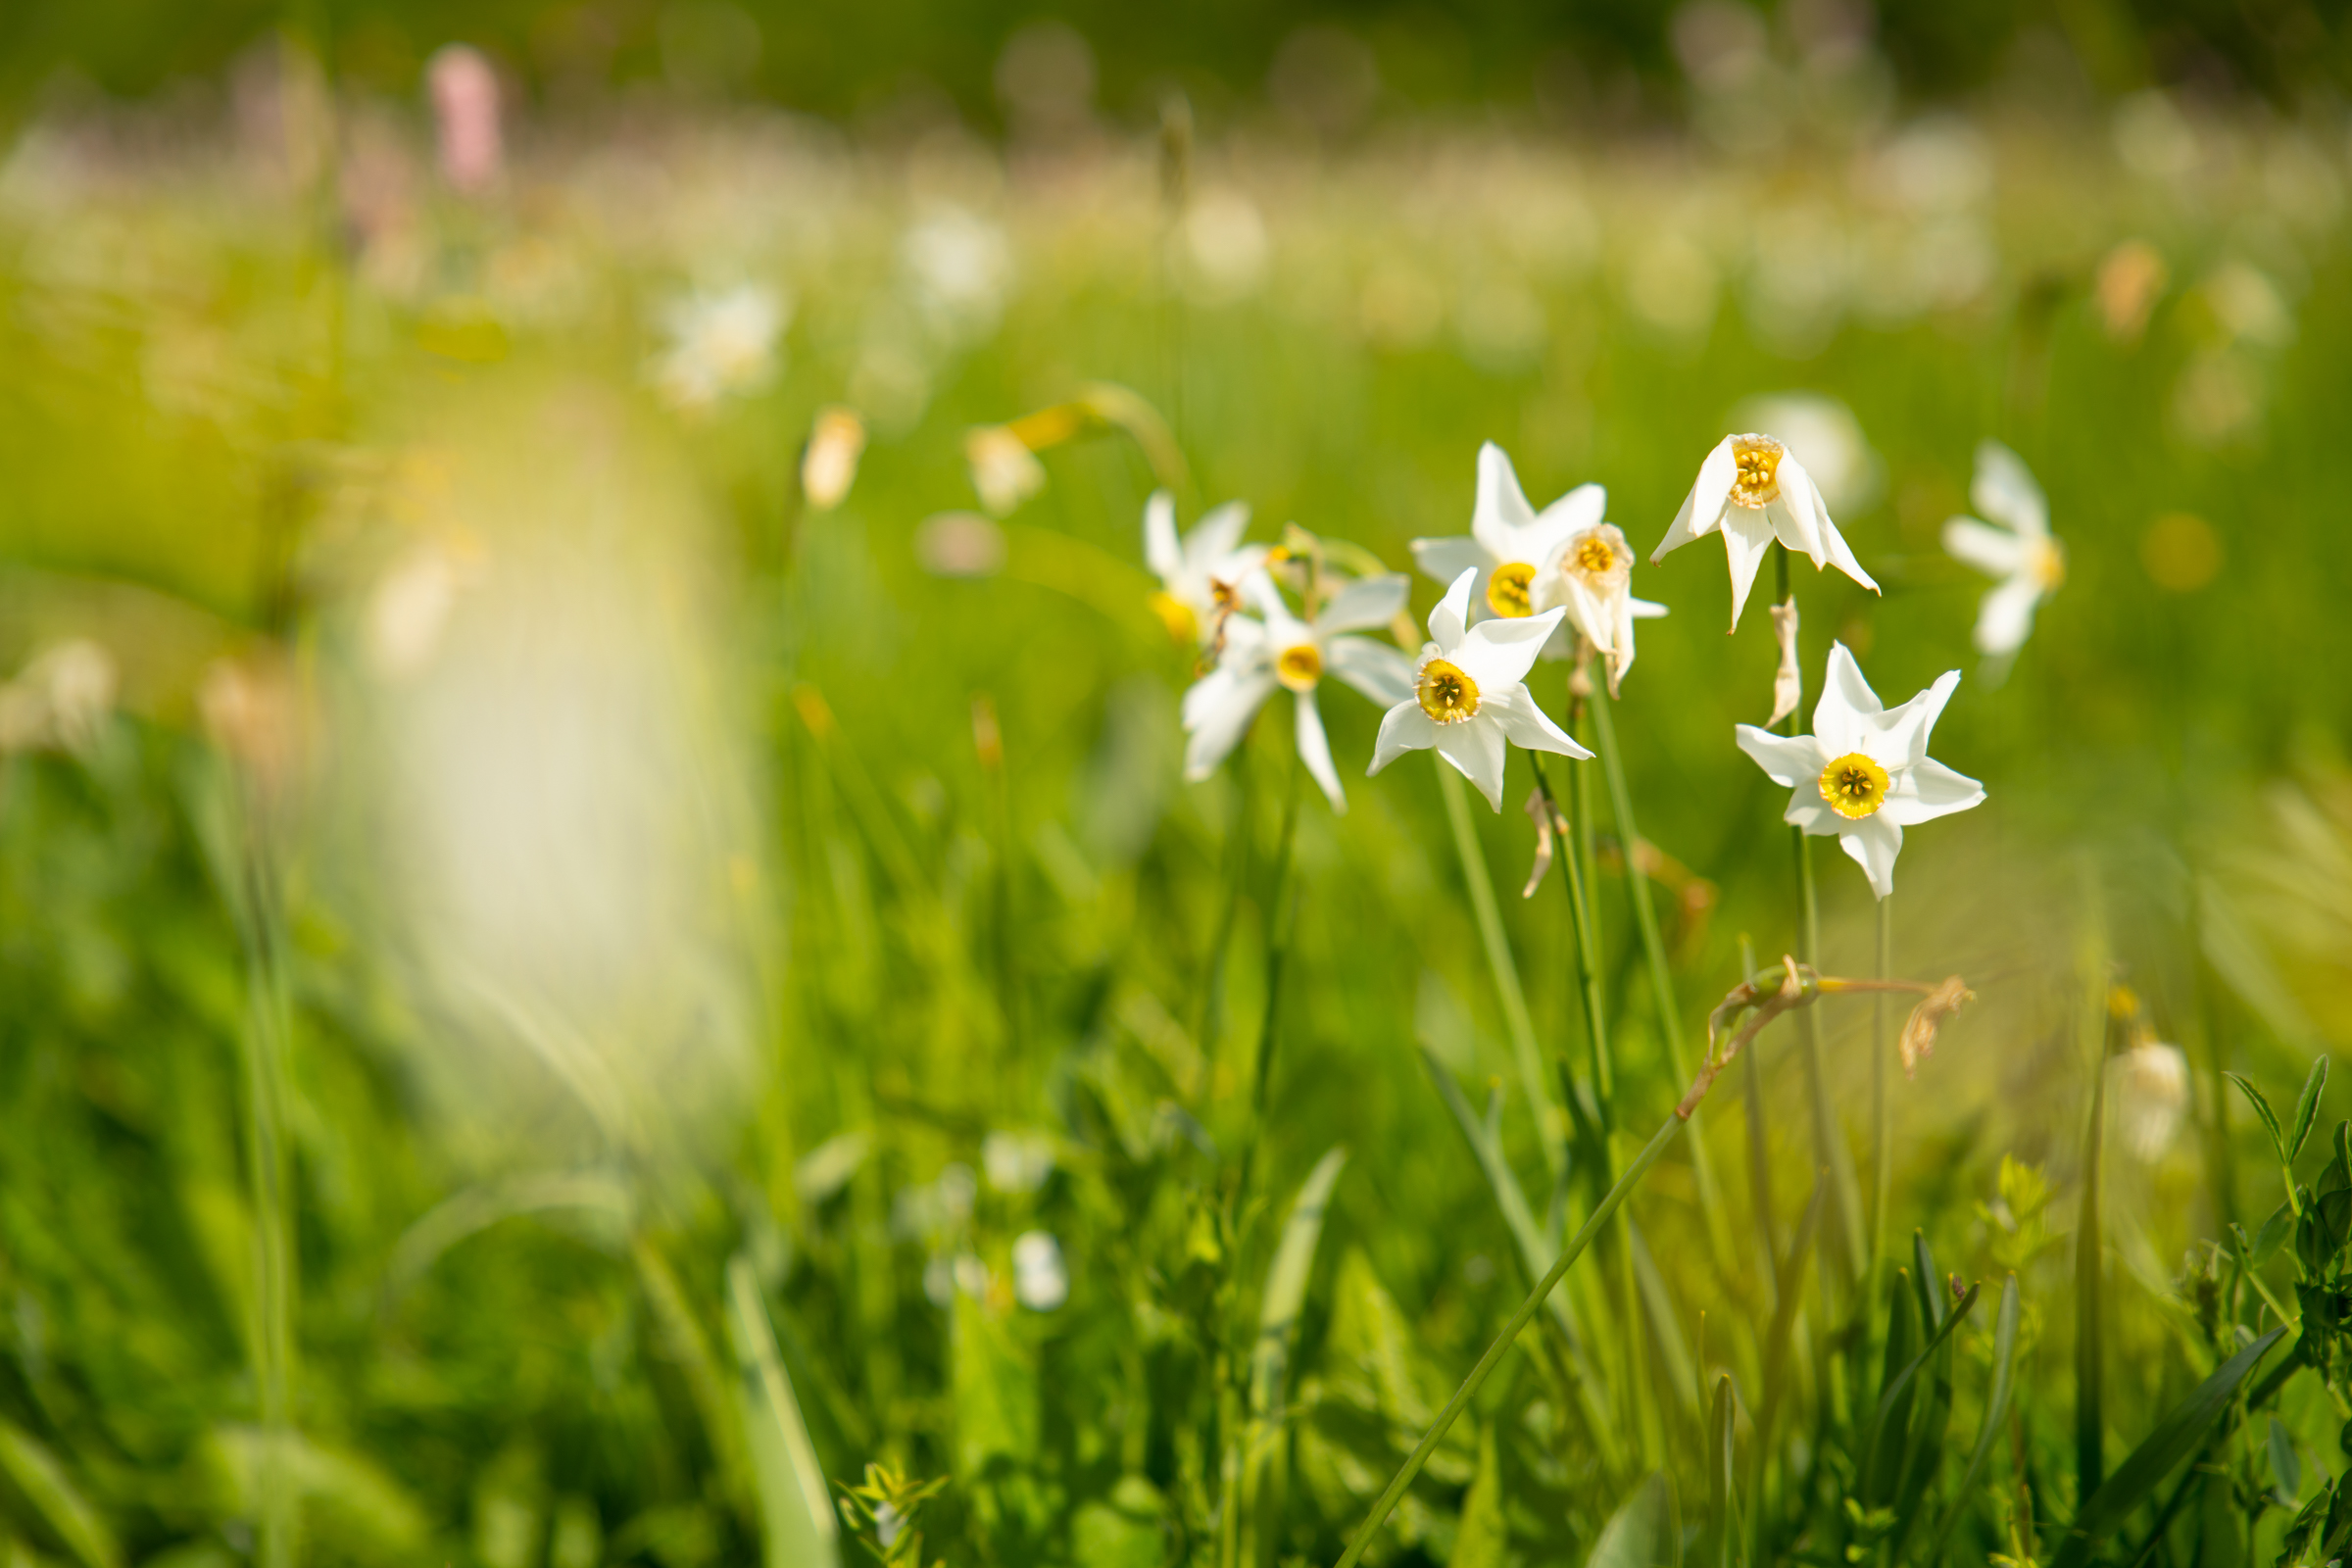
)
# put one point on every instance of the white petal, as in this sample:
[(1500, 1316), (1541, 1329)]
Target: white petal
[(1927, 791), (1475, 749), (1794, 762), (1648, 610), (1314, 750), (1874, 843), (1799, 518), (1745, 536), (1809, 811), (1580, 509), (1995, 551), (1403, 728), (1214, 537), (1526, 726), (2004, 490), (2006, 617), (1588, 613), (1217, 711), (1501, 509), (1898, 739), (1282, 628), (1365, 602), (1452, 613), (1499, 653), (1161, 552), (1448, 559), (1841, 720), (1381, 673), (1842, 554), (1702, 508)]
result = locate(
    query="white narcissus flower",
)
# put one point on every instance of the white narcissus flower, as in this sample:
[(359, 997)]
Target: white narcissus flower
[(1590, 576), (2151, 1095), (1753, 488), (2029, 562), (1510, 542), (1468, 696), (1279, 650), (1200, 575), (721, 344), (1864, 773)]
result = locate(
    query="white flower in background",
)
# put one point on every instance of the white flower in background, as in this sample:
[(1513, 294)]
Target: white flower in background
[(718, 343), (1005, 472), (1040, 1282), (830, 465), (2151, 1095), (1200, 575), (1016, 1162), (1864, 773), (2019, 550), (1590, 576), (960, 264), (1837, 455), (1510, 542), (60, 700), (1278, 649), (1754, 489), (1467, 696)]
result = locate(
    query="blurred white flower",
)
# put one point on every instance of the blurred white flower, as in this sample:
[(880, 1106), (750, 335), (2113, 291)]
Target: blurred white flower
[(1590, 576), (1040, 1280), (1278, 649), (2021, 552), (60, 700), (1225, 242), (1837, 455), (1016, 1162), (1468, 698), (959, 544), (463, 86), (1005, 472), (2150, 1085), (1864, 773), (718, 344), (830, 465), (960, 264), (1510, 542), (1200, 576), (409, 606), (1754, 489)]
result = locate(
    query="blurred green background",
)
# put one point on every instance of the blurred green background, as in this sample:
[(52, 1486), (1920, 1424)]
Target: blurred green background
[(520, 923)]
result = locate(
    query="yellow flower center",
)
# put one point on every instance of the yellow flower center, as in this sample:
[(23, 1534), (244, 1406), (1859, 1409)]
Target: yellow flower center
[(1759, 479), (1174, 614), (1593, 557), (1299, 666), (1446, 694), (1507, 590), (2048, 566), (1854, 786)]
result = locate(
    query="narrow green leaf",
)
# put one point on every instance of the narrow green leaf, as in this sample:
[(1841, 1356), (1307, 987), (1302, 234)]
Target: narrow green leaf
[(2261, 1110), (44, 1484), (1271, 1361), (2274, 1232), (795, 1508), (1722, 1526), (2090, 1318), (1996, 1410), (2287, 1469), (2174, 1439), (1482, 1540), (1928, 1281), (1644, 1531), (2307, 1107), (1886, 1425), (1893, 1415)]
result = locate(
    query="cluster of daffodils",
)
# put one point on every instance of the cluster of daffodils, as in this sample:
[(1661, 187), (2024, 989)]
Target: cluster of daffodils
[(1524, 585)]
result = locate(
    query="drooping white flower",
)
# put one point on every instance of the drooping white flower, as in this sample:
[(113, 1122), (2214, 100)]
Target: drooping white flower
[(1278, 649), (2021, 552), (1864, 773), (1040, 1282), (1754, 489), (1510, 542), (1004, 470), (829, 467), (1590, 574), (1468, 695), (1202, 574), (718, 343)]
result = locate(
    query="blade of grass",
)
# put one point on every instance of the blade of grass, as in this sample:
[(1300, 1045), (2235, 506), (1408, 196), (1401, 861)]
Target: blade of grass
[(1270, 1358), (1462, 1395), (2090, 1242), (1996, 1410), (795, 1508), (1721, 1487), (1645, 1531)]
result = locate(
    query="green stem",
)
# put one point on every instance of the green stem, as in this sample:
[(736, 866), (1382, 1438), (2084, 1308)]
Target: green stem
[(1280, 908), (1527, 1308), (1882, 1150), (1661, 976), (1588, 955), (1551, 1121)]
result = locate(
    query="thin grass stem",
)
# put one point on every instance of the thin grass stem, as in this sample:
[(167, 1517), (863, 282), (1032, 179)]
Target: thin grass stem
[(1881, 1148)]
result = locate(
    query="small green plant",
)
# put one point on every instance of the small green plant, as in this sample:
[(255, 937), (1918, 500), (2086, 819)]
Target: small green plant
[(881, 1514)]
